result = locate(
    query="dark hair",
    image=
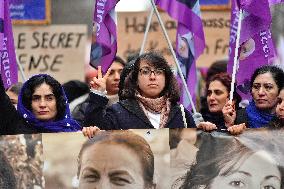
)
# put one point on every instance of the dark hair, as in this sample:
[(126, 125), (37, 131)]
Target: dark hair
[(37, 80), (154, 59), (7, 177), (276, 72), (132, 141), (226, 80), (228, 152), (122, 92), (119, 60), (16, 88), (219, 66)]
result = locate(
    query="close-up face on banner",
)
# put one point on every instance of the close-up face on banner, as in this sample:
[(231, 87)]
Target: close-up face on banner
[(144, 94), (111, 159), (253, 160)]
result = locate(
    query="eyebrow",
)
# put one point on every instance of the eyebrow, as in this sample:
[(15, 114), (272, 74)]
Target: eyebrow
[(233, 172), (272, 176), (90, 169), (263, 83), (121, 172), (48, 95), (245, 173)]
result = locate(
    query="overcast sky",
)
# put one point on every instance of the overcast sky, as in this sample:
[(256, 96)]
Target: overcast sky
[(132, 5)]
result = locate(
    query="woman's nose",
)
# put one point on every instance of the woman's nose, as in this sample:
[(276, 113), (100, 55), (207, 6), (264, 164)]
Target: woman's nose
[(104, 184), (261, 91), (152, 75), (42, 103), (211, 97)]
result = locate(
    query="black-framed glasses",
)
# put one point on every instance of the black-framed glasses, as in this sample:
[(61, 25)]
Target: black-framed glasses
[(146, 71)]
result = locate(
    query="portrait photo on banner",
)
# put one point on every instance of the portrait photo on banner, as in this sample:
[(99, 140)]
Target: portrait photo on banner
[(21, 161), (126, 159), (216, 160)]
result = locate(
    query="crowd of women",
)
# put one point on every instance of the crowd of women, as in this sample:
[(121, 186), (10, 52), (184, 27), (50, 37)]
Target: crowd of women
[(149, 98)]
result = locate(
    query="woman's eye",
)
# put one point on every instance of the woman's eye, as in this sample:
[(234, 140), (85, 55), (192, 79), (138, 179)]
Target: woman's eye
[(159, 71), (120, 181), (268, 87), (237, 184), (50, 98), (35, 99), (268, 187), (145, 72), (218, 92), (91, 178)]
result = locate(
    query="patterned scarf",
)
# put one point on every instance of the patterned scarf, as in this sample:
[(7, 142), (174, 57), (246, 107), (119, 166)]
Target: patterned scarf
[(160, 105), (256, 117)]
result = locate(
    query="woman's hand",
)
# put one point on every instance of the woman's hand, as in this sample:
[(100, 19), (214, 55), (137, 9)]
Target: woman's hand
[(237, 129), (99, 83), (91, 131), (206, 126), (229, 113)]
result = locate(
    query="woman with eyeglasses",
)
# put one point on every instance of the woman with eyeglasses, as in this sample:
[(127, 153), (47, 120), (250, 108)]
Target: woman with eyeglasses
[(150, 94), (266, 83)]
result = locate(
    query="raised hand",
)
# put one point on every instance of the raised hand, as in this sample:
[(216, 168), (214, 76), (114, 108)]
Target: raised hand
[(99, 83), (229, 113)]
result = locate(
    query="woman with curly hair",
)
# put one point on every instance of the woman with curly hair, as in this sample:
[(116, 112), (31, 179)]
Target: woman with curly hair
[(42, 108), (150, 94)]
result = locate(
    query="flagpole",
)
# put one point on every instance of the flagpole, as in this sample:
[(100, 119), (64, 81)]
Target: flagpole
[(236, 55), (174, 55), (146, 31)]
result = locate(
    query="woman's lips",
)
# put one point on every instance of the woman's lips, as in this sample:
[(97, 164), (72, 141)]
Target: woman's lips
[(42, 112)]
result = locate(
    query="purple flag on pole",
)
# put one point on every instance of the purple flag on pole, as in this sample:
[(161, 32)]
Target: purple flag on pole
[(104, 48), (190, 41), (256, 45), (9, 69), (1, 25)]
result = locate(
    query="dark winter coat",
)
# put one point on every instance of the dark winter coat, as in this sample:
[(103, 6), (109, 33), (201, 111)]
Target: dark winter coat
[(127, 114)]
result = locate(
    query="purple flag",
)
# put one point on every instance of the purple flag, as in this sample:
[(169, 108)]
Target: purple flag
[(256, 45), (1, 24), (9, 69), (104, 48), (190, 41)]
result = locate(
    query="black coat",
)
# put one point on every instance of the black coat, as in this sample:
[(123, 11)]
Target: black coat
[(11, 122), (216, 118), (127, 114)]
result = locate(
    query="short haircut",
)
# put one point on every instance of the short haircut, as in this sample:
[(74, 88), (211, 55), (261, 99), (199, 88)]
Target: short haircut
[(132, 141), (276, 72), (219, 66), (226, 80)]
